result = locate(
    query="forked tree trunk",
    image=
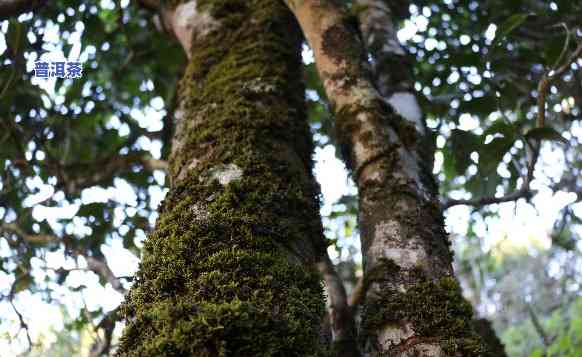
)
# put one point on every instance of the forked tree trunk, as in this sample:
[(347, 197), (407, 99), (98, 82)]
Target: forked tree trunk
[(413, 304), (227, 269)]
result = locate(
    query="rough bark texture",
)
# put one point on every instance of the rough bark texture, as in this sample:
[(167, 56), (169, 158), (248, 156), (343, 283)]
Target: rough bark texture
[(413, 304), (391, 66), (225, 272), (392, 72)]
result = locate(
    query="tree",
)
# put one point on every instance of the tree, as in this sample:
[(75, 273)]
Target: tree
[(229, 267), (231, 261)]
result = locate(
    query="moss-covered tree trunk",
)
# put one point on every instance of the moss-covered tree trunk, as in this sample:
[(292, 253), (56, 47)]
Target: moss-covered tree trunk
[(227, 269), (392, 73), (413, 304)]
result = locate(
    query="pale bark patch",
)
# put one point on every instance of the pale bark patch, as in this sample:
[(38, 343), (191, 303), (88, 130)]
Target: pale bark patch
[(259, 86), (200, 212), (363, 94), (387, 235), (391, 335), (405, 104), (410, 169), (225, 174), (393, 46), (188, 23)]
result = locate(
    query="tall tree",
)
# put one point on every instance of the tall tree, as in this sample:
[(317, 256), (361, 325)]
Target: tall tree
[(413, 304), (228, 269)]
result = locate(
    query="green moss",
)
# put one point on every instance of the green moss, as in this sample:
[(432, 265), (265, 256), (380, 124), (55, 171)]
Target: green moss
[(338, 42), (384, 268), (224, 272), (435, 308), (484, 328)]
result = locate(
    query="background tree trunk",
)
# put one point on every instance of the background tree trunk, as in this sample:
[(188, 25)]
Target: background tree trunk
[(227, 270), (392, 72), (413, 304)]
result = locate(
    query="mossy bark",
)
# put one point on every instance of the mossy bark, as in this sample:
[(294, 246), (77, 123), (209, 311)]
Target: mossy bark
[(226, 272), (392, 73), (413, 304), (484, 328)]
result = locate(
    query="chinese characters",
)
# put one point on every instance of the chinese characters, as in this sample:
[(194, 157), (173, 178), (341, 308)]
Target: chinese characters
[(64, 69)]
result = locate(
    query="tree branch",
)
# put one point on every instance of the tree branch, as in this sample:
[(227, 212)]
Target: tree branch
[(357, 294), (29, 238), (23, 324), (341, 316), (106, 169), (97, 265), (107, 324), (100, 267), (525, 191), (546, 340), (394, 185), (547, 80), (484, 201)]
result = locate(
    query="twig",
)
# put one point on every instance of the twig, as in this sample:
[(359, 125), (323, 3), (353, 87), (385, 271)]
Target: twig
[(23, 324), (546, 340), (29, 238), (107, 324), (100, 267)]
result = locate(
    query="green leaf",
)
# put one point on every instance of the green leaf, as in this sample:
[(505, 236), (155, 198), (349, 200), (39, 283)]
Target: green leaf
[(508, 26), (502, 127), (545, 133), (23, 283)]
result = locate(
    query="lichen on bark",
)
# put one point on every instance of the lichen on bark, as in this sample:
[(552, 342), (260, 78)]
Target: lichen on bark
[(227, 269)]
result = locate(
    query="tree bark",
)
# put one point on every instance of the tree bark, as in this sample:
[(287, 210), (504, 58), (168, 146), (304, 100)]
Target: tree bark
[(228, 268), (413, 304), (392, 72)]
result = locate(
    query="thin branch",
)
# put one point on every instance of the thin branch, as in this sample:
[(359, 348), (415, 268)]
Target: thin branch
[(100, 267), (546, 340), (102, 346), (29, 238), (23, 324), (97, 265), (514, 196), (106, 169), (548, 78), (341, 316)]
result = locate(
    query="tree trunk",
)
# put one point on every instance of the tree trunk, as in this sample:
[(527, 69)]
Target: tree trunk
[(413, 304), (392, 72), (228, 268)]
